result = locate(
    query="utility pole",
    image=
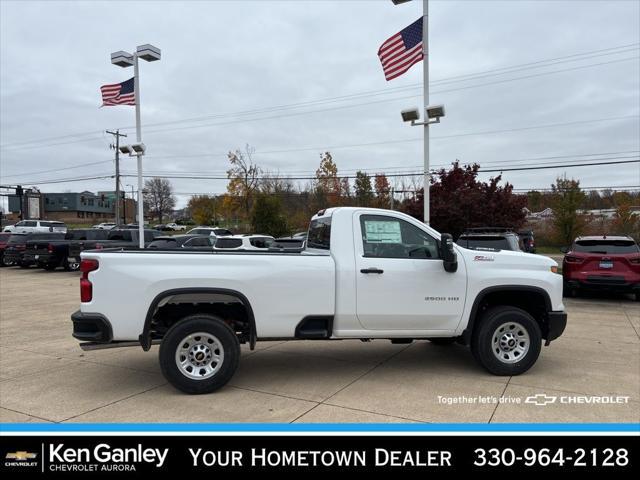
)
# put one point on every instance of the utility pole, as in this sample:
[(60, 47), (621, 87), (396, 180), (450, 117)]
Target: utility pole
[(425, 84), (116, 147)]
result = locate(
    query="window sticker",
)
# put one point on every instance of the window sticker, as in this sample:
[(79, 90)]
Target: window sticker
[(382, 232)]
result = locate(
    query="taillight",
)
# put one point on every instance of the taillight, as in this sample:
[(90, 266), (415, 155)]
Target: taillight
[(50, 248), (570, 259), (635, 261), (86, 288)]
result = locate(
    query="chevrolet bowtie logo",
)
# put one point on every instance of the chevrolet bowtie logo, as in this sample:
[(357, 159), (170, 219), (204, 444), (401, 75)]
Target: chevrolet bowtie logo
[(20, 455), (541, 399)]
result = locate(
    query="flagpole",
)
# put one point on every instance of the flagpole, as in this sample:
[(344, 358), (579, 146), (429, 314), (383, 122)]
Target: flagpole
[(425, 80), (136, 87)]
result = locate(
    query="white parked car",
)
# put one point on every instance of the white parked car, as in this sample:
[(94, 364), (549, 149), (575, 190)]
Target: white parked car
[(175, 227), (34, 226), (364, 273), (213, 231), (244, 242), (104, 226)]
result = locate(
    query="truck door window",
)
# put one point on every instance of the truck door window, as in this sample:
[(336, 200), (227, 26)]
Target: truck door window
[(388, 237)]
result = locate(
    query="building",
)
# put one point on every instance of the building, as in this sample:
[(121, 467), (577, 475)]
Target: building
[(86, 207)]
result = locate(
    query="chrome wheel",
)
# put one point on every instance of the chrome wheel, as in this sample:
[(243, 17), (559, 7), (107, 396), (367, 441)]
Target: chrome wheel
[(510, 342), (199, 356)]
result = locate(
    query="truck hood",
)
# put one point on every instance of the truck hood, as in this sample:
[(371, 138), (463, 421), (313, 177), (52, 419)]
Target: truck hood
[(503, 258)]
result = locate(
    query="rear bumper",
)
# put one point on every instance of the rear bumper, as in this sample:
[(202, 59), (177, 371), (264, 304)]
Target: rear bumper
[(602, 283), (556, 323), (91, 327)]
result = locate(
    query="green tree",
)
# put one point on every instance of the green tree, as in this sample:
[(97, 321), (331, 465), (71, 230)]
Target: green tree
[(567, 198), (268, 216), (363, 189), (203, 209)]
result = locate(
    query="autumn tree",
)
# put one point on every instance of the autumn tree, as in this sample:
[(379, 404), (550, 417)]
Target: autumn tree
[(383, 190), (203, 209), (567, 198), (625, 220), (243, 180), (363, 189), (158, 197), (460, 201), (327, 182)]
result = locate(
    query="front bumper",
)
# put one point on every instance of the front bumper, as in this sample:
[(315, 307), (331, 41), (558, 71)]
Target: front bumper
[(556, 323), (91, 327)]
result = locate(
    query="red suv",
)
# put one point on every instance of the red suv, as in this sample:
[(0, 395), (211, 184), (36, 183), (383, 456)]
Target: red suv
[(602, 263)]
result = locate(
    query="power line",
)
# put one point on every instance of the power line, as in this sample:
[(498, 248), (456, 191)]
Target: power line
[(455, 79)]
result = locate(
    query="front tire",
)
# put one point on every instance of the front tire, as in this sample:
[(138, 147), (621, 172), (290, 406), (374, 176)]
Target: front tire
[(199, 354), (507, 341)]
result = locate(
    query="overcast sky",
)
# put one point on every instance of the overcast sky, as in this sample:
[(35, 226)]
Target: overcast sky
[(220, 59)]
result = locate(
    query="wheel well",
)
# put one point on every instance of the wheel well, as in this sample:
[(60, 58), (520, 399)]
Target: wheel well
[(170, 307), (534, 301)]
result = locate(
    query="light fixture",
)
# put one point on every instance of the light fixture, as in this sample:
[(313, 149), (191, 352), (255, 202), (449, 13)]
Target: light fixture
[(435, 111), (148, 52), (126, 149), (122, 59), (139, 148), (410, 115), (398, 2)]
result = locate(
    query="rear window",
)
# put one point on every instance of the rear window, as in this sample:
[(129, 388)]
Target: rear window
[(228, 243), (163, 243), (221, 232), (124, 235), (320, 234), (17, 239), (606, 246), (495, 243), (52, 224), (261, 242)]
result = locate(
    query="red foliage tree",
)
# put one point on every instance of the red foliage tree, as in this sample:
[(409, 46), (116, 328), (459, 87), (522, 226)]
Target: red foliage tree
[(458, 201)]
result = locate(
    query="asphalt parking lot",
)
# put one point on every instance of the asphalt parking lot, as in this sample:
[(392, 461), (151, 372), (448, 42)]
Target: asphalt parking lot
[(45, 377)]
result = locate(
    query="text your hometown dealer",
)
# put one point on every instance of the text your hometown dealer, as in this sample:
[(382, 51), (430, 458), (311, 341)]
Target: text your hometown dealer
[(104, 453)]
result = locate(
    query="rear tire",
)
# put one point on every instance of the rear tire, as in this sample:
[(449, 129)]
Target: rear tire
[(507, 341), (50, 268), (443, 341), (199, 354), (71, 267)]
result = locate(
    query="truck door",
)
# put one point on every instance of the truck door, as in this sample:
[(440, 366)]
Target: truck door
[(401, 282)]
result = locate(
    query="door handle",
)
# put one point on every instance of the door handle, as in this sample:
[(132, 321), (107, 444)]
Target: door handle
[(372, 270)]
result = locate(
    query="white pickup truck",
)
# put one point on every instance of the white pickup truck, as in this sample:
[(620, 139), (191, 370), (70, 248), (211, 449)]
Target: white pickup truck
[(363, 274)]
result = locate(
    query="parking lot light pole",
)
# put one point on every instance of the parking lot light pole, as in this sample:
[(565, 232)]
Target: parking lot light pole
[(123, 59)]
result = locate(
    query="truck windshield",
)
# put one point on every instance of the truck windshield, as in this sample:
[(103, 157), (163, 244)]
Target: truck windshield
[(320, 233)]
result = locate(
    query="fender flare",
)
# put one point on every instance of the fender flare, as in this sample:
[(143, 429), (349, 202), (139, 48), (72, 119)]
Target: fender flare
[(468, 331), (145, 336)]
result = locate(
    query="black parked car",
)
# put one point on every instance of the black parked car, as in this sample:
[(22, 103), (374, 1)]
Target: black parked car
[(528, 242), (188, 242), (15, 252), (52, 253), (490, 238)]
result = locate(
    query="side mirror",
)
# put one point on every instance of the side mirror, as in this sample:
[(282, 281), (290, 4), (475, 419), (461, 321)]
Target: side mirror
[(564, 249), (447, 253)]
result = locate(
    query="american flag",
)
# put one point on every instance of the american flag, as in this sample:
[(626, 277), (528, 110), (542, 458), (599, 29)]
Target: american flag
[(401, 51), (118, 94)]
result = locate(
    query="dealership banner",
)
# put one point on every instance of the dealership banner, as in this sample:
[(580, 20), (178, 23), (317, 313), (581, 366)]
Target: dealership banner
[(64, 455)]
